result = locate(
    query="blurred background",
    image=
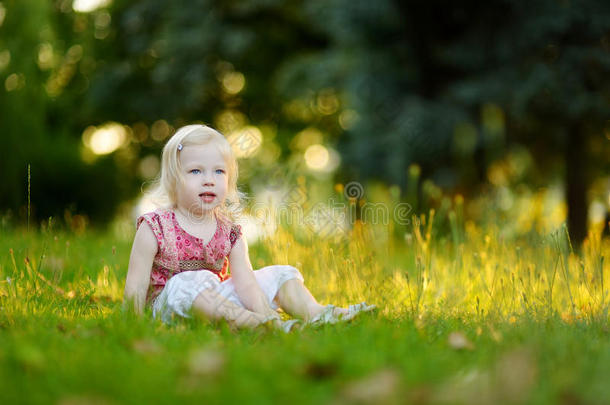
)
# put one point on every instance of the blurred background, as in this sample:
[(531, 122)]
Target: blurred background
[(498, 107)]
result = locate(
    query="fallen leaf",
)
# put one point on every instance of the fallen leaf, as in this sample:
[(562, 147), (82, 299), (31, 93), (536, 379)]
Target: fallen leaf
[(459, 341), (320, 370), (509, 381), (83, 400), (206, 362), (473, 388), (495, 335), (515, 373), (145, 346), (379, 387)]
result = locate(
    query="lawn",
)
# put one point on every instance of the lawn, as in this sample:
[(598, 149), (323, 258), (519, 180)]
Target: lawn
[(466, 315)]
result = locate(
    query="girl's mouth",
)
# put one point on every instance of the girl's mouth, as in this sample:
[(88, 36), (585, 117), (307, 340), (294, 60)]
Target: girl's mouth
[(207, 197)]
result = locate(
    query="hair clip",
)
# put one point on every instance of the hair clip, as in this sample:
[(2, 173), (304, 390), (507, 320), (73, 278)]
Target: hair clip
[(180, 146)]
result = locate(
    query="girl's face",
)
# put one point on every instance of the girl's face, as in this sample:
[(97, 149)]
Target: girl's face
[(205, 179)]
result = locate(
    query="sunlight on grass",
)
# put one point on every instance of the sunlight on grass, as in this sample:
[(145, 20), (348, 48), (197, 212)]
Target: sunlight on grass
[(461, 305), (466, 271)]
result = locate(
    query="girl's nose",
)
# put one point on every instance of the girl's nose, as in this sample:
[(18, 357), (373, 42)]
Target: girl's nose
[(208, 181)]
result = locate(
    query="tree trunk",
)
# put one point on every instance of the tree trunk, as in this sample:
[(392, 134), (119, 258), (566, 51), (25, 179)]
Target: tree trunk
[(576, 185)]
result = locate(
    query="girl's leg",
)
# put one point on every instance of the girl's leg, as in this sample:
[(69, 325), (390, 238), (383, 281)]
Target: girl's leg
[(210, 304), (294, 298)]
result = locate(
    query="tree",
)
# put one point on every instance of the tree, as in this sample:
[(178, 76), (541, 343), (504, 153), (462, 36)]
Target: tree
[(420, 74), (45, 62)]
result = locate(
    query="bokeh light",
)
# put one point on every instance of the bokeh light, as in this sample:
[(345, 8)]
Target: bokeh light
[(46, 58), (316, 157), (14, 81), (102, 24), (327, 102), (348, 118), (86, 6), (5, 59), (597, 212), (307, 137), (233, 82), (2, 14), (105, 139), (298, 109), (149, 166), (320, 158), (145, 204), (252, 229), (64, 74), (228, 121), (160, 130), (246, 142)]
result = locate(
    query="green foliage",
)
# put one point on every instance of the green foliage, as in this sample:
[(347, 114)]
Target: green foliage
[(414, 72), (43, 117), (171, 69), (453, 87)]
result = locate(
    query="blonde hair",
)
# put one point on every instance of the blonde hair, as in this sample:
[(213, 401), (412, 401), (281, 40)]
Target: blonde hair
[(164, 189)]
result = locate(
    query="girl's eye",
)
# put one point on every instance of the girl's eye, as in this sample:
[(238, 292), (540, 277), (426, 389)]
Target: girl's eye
[(220, 171), (195, 171)]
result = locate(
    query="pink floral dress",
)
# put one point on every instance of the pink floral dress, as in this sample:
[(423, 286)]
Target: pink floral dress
[(180, 251)]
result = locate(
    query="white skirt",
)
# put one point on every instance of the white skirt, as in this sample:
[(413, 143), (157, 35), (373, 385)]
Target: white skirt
[(181, 289)]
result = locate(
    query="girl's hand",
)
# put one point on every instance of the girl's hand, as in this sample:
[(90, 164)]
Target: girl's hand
[(273, 320), (269, 321), (246, 286)]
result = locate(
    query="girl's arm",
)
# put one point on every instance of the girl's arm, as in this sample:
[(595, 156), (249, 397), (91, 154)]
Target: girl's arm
[(143, 253), (246, 286)]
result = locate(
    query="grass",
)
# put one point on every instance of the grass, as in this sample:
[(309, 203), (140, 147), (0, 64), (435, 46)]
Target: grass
[(467, 315)]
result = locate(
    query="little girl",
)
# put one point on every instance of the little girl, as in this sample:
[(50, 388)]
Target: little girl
[(181, 253)]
